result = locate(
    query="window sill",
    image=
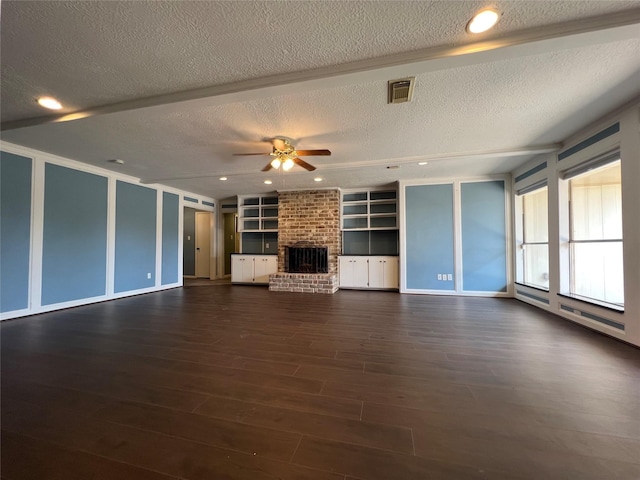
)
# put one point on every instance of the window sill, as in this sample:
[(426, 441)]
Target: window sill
[(540, 289), (608, 306)]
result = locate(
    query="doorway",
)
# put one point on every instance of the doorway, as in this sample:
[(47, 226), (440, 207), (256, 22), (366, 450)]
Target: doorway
[(231, 240), (197, 244), (203, 244)]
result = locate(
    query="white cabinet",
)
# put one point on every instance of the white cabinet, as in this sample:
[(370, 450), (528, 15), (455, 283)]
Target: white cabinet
[(383, 272), (379, 272), (253, 268), (263, 266), (354, 272)]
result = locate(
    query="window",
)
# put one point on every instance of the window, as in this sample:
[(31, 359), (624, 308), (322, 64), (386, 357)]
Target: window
[(595, 236), (535, 238)]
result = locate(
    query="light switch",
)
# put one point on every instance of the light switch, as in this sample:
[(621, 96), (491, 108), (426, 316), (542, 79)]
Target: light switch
[(188, 237), (449, 277), (439, 276)]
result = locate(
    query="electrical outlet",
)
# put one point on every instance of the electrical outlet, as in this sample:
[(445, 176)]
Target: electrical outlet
[(439, 276), (266, 245), (148, 276), (449, 277)]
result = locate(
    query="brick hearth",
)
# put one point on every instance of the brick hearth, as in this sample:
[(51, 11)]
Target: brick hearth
[(304, 282)]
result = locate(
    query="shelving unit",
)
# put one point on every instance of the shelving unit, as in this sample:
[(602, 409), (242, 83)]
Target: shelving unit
[(369, 220), (258, 223), (258, 213), (370, 209)]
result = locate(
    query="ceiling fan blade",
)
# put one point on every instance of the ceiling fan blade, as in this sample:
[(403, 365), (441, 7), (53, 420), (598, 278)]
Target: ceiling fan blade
[(313, 152), (267, 167), (303, 164), (247, 154)]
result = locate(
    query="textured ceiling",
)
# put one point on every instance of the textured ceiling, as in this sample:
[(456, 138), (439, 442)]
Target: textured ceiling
[(467, 111)]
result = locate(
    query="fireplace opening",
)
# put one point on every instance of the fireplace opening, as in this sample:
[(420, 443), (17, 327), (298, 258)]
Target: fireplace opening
[(304, 258)]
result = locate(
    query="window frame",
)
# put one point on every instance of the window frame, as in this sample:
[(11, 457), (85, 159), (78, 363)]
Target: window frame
[(522, 234), (565, 177)]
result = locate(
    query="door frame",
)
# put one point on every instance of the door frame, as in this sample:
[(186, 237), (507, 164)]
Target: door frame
[(213, 247), (227, 205)]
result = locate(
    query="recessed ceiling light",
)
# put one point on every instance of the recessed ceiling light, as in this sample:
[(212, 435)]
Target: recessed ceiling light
[(422, 163), (224, 179), (50, 103), (268, 182), (483, 21), (317, 179), (117, 160)]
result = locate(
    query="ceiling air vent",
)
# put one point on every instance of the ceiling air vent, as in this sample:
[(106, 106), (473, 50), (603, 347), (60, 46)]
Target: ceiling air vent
[(400, 91)]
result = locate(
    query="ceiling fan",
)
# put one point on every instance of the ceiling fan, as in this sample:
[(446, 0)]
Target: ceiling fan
[(286, 156)]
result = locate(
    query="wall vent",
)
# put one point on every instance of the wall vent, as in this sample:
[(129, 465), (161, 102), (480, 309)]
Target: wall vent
[(400, 90)]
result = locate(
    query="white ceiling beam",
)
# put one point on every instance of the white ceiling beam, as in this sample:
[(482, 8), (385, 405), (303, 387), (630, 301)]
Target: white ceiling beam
[(594, 30)]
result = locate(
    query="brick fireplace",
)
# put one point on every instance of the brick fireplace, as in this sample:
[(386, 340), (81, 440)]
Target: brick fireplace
[(308, 217)]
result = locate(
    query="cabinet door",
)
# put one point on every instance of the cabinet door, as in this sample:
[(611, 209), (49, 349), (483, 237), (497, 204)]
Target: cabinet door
[(354, 272), (345, 266), (383, 272), (241, 269), (376, 272), (236, 268), (391, 272), (264, 266)]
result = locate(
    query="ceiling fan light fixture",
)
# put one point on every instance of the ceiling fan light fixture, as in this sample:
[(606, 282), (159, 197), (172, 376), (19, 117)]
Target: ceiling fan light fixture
[(287, 164), (275, 163), (483, 21)]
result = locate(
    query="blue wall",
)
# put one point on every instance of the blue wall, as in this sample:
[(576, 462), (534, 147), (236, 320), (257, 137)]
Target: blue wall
[(135, 237), (429, 236), (15, 231), (484, 251), (170, 232), (74, 253)]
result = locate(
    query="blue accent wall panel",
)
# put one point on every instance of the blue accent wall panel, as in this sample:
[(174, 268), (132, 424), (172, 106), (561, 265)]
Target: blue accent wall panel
[(429, 227), (15, 231), (74, 249), (170, 235), (484, 251), (135, 237)]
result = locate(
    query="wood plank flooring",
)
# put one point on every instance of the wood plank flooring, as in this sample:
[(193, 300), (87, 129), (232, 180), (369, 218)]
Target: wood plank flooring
[(214, 381)]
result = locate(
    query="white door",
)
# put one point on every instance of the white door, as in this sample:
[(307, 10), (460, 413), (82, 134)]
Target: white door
[(203, 244)]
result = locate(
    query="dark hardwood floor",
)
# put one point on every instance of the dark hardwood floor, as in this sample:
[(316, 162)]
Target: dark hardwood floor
[(214, 381)]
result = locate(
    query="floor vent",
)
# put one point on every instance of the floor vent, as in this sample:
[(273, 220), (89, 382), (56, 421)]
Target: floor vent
[(400, 91)]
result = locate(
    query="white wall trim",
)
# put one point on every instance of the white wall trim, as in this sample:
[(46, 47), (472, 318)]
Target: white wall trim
[(37, 234), (111, 236)]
